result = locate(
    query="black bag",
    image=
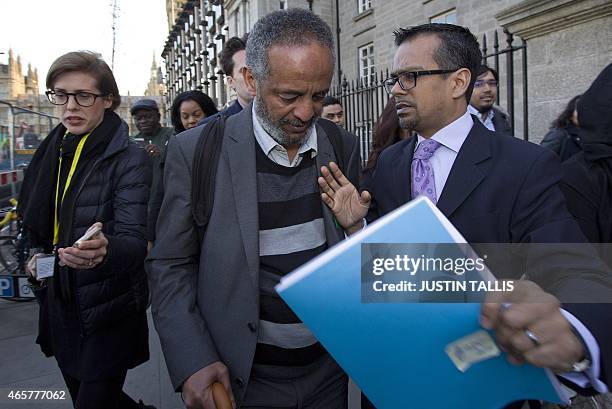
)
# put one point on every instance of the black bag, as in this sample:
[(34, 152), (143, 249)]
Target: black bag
[(206, 160)]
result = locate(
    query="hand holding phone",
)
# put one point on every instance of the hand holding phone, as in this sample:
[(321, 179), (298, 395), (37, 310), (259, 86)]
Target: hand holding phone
[(152, 149), (89, 234), (88, 251)]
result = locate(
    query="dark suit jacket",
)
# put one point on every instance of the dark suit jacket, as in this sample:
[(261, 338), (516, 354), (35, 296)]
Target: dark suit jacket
[(501, 122), (229, 111), (504, 190), (205, 296)]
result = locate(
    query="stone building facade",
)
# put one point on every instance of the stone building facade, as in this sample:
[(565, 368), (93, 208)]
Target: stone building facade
[(198, 33), (12, 81), (22, 92), (567, 41), (173, 9)]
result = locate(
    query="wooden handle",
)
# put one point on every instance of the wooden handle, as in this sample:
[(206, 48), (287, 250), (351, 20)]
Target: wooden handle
[(220, 396)]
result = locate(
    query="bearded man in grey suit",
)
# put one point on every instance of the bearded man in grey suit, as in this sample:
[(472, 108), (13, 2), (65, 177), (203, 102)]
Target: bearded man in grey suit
[(214, 305)]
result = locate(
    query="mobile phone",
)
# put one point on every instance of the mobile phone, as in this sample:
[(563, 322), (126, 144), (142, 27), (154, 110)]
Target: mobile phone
[(88, 235)]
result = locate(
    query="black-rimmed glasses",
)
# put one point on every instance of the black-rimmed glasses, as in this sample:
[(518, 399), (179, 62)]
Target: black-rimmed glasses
[(407, 80), (84, 99)]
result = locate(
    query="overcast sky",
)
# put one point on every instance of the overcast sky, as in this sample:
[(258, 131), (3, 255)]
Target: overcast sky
[(42, 30)]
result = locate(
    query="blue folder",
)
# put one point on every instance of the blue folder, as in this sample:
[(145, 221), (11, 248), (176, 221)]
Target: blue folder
[(395, 352)]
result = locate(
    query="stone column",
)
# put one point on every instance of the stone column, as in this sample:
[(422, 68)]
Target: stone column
[(568, 43)]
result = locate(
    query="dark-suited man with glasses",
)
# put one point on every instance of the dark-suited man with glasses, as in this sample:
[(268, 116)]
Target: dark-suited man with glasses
[(493, 189)]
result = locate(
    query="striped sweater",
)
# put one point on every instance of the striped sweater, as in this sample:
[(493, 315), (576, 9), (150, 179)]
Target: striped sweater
[(291, 232)]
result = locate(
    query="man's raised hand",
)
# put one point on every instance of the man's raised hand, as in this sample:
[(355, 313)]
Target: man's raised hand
[(346, 203)]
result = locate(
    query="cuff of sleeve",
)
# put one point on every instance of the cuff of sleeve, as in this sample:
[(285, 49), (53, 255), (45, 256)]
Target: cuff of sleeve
[(365, 223), (589, 377)]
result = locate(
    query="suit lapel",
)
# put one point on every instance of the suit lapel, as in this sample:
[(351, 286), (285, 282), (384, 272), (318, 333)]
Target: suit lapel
[(468, 170), (241, 156), (325, 154), (402, 177)]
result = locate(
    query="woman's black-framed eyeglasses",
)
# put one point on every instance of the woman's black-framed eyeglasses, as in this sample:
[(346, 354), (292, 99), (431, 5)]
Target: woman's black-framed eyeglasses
[(83, 98), (407, 80)]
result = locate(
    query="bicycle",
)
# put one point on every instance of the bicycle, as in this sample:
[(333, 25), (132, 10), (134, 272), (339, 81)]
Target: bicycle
[(14, 253)]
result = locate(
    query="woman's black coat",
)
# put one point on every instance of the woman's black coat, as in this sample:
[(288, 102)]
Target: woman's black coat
[(101, 331)]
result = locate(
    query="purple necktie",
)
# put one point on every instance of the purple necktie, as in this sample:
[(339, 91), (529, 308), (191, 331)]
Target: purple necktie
[(422, 171)]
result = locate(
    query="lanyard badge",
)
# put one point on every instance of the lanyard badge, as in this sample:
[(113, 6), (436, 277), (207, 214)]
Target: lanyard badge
[(58, 202)]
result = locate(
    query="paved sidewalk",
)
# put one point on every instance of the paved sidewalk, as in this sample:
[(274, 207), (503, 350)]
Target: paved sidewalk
[(24, 367)]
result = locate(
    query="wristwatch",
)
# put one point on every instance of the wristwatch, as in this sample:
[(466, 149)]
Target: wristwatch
[(581, 366)]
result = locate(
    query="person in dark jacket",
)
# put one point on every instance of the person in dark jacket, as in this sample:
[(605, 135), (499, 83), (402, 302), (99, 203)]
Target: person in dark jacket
[(563, 137), (87, 173), (187, 109), (190, 107), (587, 181)]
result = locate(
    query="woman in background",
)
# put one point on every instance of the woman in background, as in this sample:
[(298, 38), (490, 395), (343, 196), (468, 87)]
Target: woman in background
[(189, 108), (587, 181), (563, 138)]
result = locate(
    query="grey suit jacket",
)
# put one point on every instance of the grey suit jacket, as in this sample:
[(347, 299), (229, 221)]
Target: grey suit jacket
[(205, 299)]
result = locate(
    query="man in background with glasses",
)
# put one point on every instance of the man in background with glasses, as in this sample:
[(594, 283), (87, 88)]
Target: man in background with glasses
[(493, 189), (483, 100)]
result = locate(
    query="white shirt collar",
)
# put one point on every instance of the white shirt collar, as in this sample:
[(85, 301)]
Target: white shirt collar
[(474, 111), (454, 134), (276, 151), (488, 121)]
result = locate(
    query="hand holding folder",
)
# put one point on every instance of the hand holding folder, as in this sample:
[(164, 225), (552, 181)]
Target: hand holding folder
[(395, 351)]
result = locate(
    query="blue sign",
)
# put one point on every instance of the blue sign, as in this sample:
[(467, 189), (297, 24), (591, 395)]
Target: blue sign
[(6, 286)]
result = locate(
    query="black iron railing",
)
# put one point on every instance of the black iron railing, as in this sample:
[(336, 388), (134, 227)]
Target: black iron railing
[(510, 52)]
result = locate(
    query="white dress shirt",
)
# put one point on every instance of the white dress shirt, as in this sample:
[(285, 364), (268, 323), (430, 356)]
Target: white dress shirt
[(451, 138)]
